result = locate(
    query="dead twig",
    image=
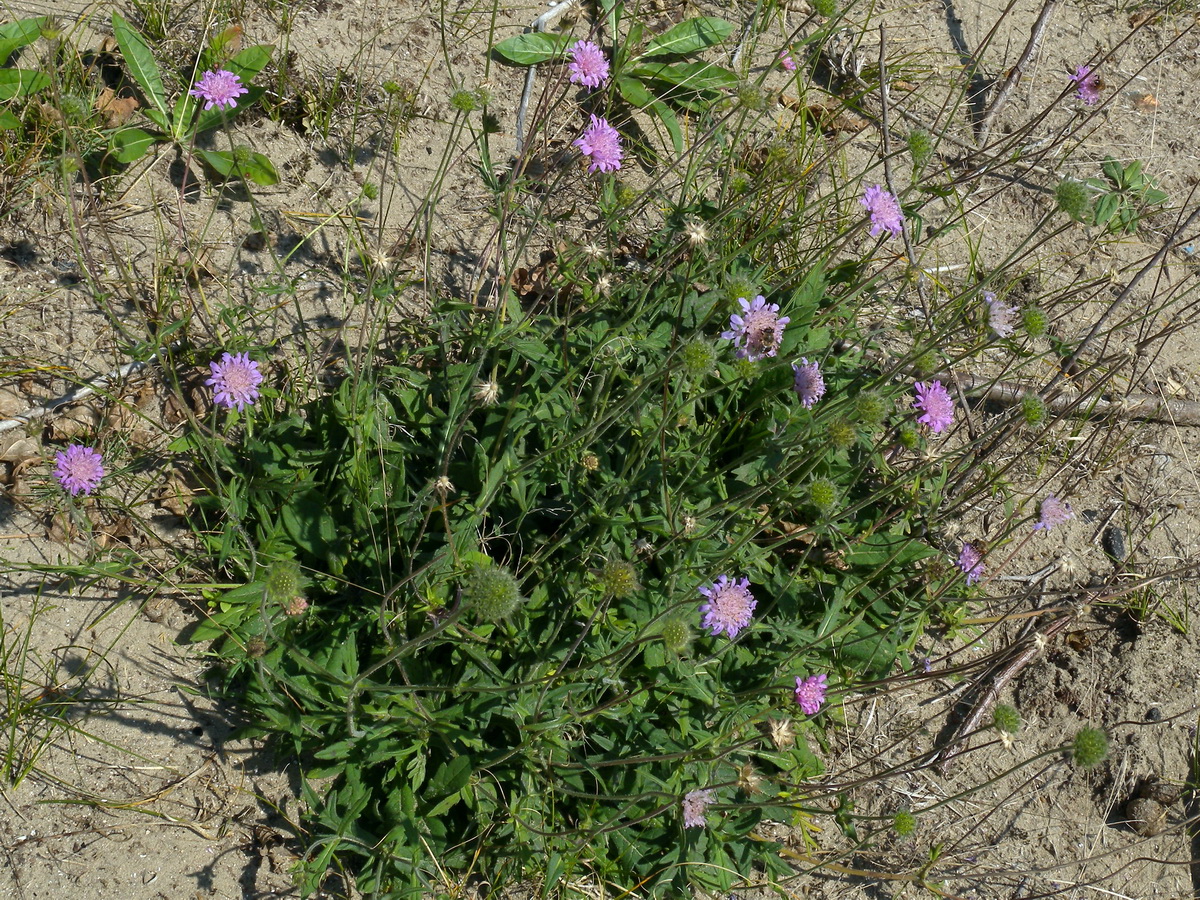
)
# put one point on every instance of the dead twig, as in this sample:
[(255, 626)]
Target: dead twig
[(1014, 74)]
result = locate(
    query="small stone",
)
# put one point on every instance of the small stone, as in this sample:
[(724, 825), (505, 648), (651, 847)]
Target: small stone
[(1145, 816)]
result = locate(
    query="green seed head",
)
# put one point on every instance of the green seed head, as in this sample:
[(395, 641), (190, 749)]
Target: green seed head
[(904, 823), (1035, 321), (752, 97), (1073, 199), (927, 363), (1006, 718), (677, 635), (285, 583), (841, 435), (739, 287), (464, 101), (492, 592), (1089, 748), (370, 190), (619, 579), (256, 648), (920, 146), (870, 408), (825, 8), (823, 494), (908, 436), (1033, 410), (698, 357)]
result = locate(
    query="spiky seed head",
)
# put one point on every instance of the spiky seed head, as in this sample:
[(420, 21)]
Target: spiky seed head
[(1073, 199), (870, 408), (492, 592), (698, 357), (908, 436), (927, 363), (749, 782), (841, 435), (752, 97), (590, 461), (1089, 747), (1033, 410), (284, 582), (823, 494), (740, 287), (825, 8), (781, 733), (1035, 321), (619, 579), (904, 823), (920, 146), (256, 648), (1005, 718), (676, 635)]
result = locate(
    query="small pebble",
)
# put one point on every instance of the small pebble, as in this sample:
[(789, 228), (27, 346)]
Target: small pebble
[(1113, 542)]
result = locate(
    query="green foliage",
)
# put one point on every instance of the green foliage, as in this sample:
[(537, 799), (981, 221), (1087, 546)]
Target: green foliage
[(499, 662), (185, 120), (655, 77), (1035, 321), (1074, 199), (1006, 718), (1124, 197)]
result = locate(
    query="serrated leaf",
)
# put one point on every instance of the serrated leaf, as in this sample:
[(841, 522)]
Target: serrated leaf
[(15, 35), (533, 48), (141, 63), (690, 36), (20, 82), (251, 166)]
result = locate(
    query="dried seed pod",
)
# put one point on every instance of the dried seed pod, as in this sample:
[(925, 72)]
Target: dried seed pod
[(1113, 542), (1147, 817)]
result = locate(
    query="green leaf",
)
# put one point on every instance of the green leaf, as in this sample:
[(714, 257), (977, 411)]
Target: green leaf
[(141, 63), (15, 35), (697, 76), (251, 165), (216, 117), (247, 64), (130, 144), (20, 82), (8, 120), (690, 36), (670, 122), (533, 48), (633, 92)]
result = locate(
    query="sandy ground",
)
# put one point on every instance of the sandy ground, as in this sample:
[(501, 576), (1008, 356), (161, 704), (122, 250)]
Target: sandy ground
[(135, 787)]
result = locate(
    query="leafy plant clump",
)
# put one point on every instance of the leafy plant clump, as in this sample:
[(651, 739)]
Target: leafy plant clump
[(511, 526)]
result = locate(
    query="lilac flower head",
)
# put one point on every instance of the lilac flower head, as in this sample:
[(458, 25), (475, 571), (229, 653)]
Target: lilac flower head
[(694, 805), (935, 404), (730, 606), (601, 144), (785, 60), (809, 385), (810, 693), (79, 469), (219, 88), (588, 65), (1001, 317), (235, 380), (970, 563), (1088, 90), (758, 332), (1054, 512), (885, 211)]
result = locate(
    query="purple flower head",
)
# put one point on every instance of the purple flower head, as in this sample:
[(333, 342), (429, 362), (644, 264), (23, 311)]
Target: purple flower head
[(602, 145), (884, 210), (79, 469), (588, 65), (694, 805), (785, 60), (808, 384), (1054, 512), (758, 332), (935, 404), (730, 606), (970, 563), (1001, 317), (810, 693), (235, 380), (1088, 90), (219, 88)]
